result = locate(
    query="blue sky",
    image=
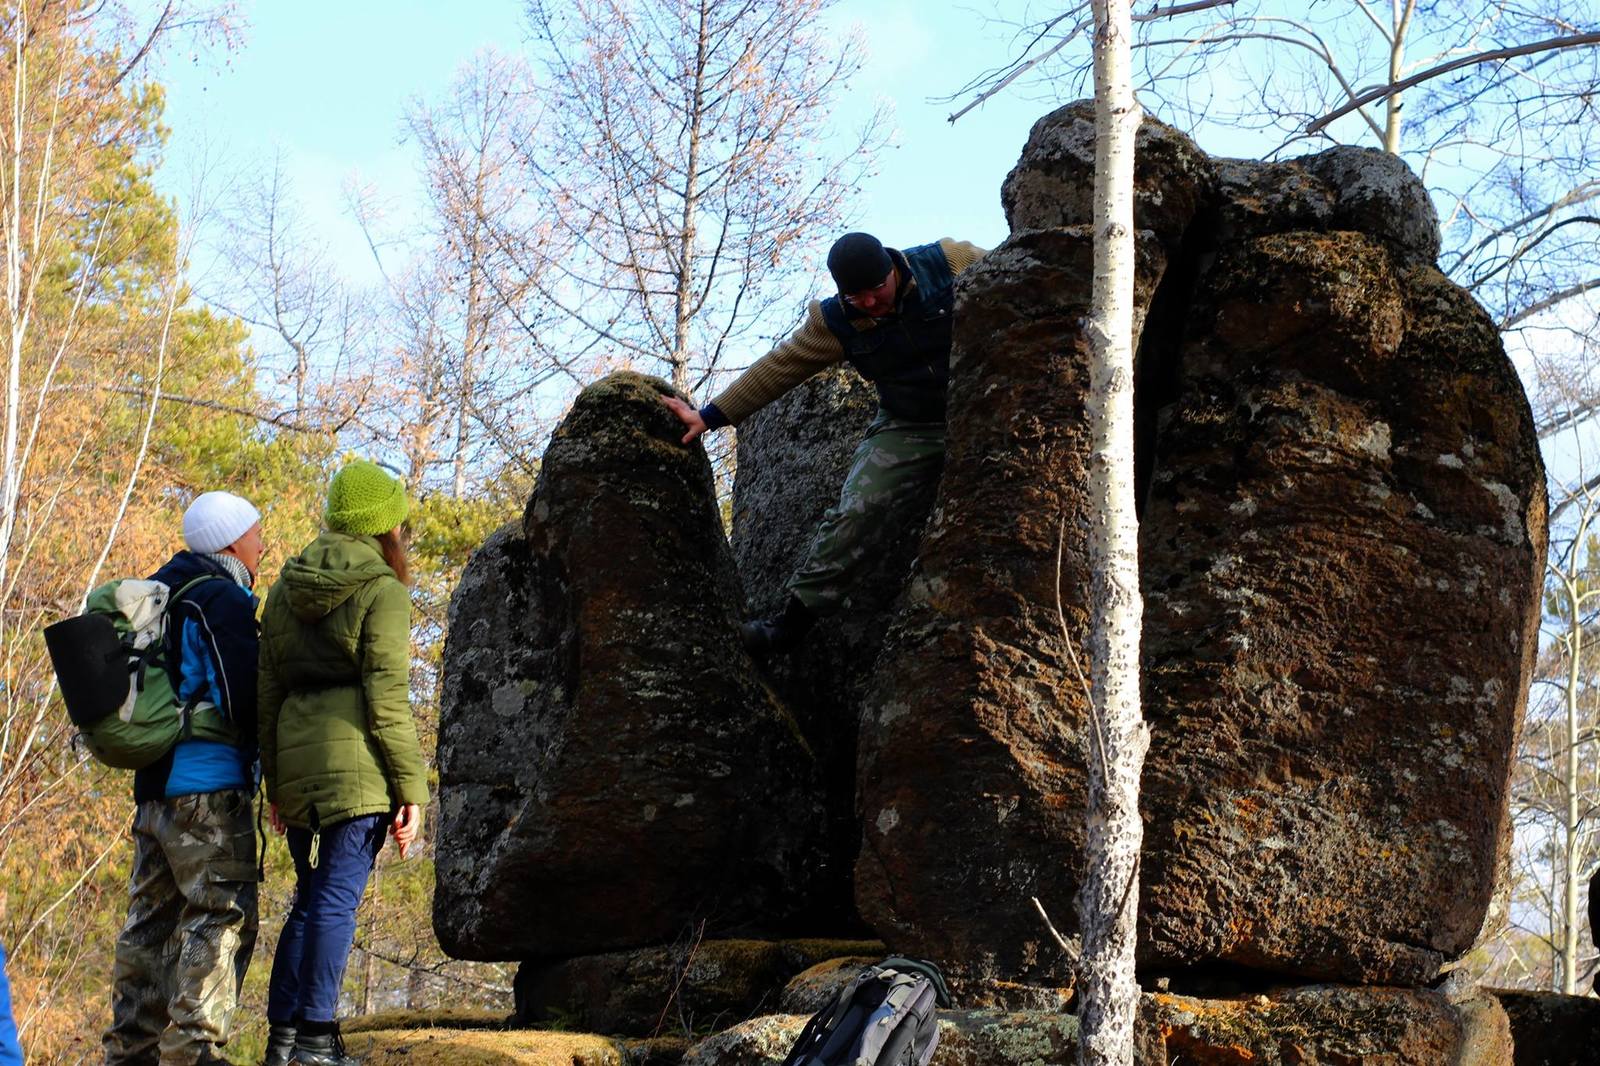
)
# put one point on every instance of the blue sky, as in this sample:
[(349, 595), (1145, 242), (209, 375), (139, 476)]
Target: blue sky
[(326, 85)]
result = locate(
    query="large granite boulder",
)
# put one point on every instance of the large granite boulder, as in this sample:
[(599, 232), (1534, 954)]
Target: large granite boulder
[(1341, 556), (1551, 1029), (612, 768), (971, 772), (1341, 542)]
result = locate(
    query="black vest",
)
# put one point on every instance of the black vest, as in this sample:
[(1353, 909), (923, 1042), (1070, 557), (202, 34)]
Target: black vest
[(906, 354)]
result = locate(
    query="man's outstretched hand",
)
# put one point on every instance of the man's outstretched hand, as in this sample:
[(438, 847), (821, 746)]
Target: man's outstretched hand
[(689, 415)]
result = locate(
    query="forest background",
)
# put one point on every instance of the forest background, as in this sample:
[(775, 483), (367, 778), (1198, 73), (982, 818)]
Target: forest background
[(241, 244)]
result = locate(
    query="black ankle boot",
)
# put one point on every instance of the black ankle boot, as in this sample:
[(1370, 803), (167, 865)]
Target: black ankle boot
[(280, 1044), (321, 1049), (763, 636)]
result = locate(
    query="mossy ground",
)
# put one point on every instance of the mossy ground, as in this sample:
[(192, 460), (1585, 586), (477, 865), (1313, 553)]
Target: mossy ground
[(482, 1047)]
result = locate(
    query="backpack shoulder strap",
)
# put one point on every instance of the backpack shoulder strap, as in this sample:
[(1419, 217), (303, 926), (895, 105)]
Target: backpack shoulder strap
[(187, 585), (823, 1022), (173, 656)]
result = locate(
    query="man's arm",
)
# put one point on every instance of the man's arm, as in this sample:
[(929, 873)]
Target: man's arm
[(807, 350), (960, 254)]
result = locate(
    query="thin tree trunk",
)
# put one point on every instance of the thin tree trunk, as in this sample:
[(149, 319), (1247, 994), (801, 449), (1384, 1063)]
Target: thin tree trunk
[(1397, 53), (1109, 900), (691, 207), (1570, 871)]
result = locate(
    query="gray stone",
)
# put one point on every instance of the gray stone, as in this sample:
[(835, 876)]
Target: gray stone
[(1052, 185), (612, 768), (970, 771), (1342, 555)]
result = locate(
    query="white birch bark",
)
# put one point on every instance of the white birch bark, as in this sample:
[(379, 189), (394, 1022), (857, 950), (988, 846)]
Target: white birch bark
[(1118, 739)]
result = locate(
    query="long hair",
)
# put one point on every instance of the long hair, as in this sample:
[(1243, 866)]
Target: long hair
[(393, 546)]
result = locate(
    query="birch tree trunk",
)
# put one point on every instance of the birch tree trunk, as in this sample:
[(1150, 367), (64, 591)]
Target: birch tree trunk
[(1109, 901)]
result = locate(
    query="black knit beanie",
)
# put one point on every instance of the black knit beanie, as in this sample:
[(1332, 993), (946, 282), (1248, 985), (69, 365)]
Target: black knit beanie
[(858, 262)]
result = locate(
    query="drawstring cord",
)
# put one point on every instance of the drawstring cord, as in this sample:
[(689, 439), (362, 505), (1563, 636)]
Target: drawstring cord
[(261, 830)]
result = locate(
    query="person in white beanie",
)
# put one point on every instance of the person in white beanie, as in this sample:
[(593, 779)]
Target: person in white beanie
[(191, 927)]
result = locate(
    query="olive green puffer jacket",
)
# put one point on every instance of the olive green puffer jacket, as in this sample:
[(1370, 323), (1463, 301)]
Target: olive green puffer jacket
[(337, 739)]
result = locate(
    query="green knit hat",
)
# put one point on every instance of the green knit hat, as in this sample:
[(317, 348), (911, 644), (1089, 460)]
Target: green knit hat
[(365, 500)]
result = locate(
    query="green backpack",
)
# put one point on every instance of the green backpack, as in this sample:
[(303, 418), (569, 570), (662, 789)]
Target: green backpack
[(111, 662)]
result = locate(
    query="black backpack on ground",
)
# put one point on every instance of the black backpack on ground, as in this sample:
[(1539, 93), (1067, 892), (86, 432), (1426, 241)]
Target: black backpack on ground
[(884, 1017)]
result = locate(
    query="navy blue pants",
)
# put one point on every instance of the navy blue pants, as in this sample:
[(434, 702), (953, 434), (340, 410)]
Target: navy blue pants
[(308, 969)]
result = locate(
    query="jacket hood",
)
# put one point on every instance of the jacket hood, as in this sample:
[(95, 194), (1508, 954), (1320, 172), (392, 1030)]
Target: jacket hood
[(328, 572)]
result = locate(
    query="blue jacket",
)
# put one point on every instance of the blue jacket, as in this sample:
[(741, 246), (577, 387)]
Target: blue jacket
[(214, 634), (10, 1046)]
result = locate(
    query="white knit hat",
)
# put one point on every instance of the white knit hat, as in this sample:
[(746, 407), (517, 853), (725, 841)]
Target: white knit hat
[(217, 519)]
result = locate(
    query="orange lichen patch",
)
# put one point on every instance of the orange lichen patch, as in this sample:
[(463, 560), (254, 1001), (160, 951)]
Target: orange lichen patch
[(1188, 1049)]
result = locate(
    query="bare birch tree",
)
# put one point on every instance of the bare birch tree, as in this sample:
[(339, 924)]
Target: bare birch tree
[(1109, 899), (282, 282), (1556, 784), (680, 159), (470, 378)]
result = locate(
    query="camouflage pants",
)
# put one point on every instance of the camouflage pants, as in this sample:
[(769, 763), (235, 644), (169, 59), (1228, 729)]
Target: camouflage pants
[(892, 481), (191, 927)]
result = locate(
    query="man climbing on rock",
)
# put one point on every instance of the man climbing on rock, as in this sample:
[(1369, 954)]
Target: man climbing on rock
[(891, 320)]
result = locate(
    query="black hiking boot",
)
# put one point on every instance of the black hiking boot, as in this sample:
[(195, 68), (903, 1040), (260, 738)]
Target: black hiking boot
[(764, 636), (321, 1049), (280, 1044)]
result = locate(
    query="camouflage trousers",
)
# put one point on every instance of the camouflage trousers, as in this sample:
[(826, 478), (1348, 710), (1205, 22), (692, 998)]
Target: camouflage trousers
[(892, 481), (191, 927)]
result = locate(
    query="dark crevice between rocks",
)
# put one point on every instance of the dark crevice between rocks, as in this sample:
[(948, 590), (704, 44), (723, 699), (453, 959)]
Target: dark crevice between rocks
[(1220, 980), (1159, 356)]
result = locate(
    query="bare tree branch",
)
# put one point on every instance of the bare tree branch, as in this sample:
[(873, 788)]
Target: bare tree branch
[(1581, 40)]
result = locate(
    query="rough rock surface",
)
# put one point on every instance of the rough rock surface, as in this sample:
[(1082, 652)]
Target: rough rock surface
[(966, 1038), (612, 768), (1326, 1026), (792, 458), (970, 778), (1341, 541), (1313, 1026), (1341, 556), (810, 990), (1346, 188), (693, 985), (1553, 1030), (1052, 185)]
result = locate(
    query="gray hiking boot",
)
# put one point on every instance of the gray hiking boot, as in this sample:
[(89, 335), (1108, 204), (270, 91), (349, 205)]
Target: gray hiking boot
[(764, 636), (323, 1049), (280, 1045)]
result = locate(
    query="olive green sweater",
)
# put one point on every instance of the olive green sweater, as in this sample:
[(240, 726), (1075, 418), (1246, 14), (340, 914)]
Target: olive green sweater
[(337, 739)]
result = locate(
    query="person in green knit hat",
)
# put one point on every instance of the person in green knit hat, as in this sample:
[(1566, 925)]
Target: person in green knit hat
[(339, 752)]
